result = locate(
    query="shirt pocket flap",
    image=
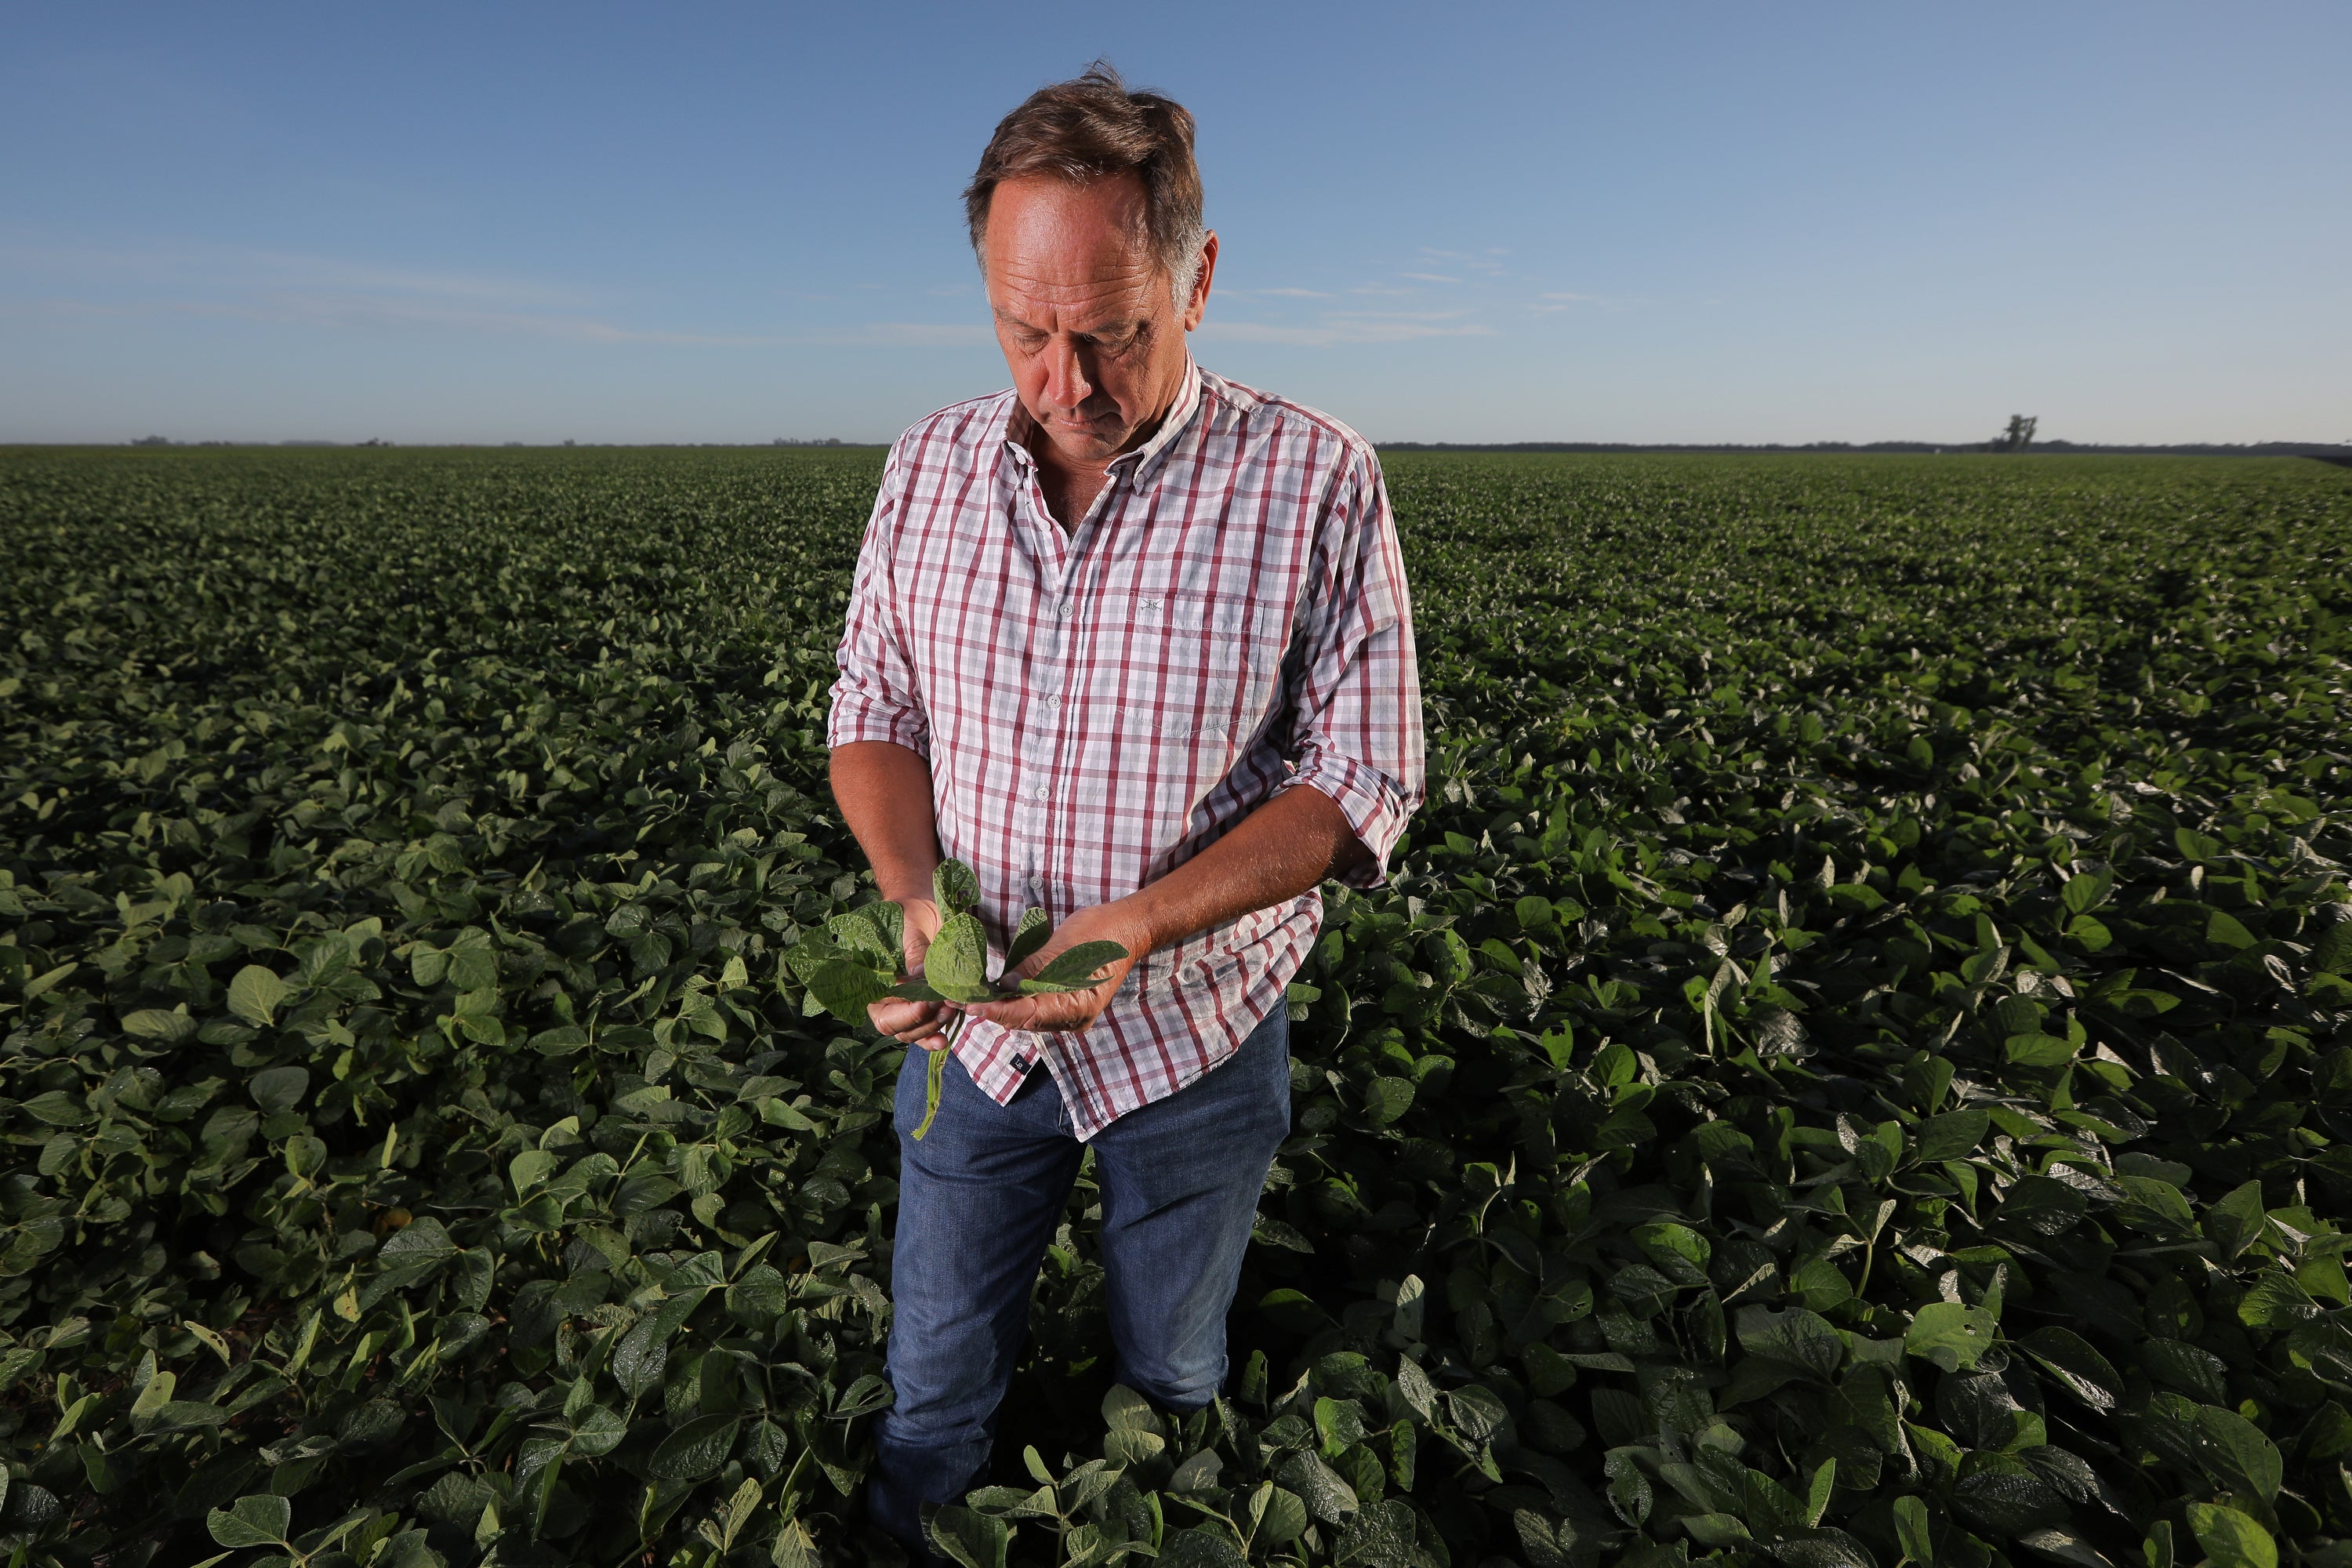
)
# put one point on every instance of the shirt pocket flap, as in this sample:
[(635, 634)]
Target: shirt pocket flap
[(1189, 614)]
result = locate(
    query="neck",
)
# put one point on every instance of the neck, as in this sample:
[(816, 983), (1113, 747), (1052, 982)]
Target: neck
[(1070, 484)]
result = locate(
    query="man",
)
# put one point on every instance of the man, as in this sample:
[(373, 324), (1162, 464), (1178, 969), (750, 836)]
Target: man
[(1133, 641)]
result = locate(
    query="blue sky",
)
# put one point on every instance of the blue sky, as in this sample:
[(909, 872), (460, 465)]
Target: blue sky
[(1653, 223)]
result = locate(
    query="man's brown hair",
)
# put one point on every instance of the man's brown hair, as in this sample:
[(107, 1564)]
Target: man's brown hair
[(1091, 128)]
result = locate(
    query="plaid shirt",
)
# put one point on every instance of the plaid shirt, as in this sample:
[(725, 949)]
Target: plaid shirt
[(1228, 621)]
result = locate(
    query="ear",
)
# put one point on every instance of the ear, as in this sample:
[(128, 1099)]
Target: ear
[(1198, 305)]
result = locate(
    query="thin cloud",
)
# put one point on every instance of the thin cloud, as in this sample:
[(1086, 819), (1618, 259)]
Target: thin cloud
[(1342, 328), (289, 288), (332, 312), (1461, 260), (1552, 303), (1283, 293), (914, 334), (361, 312), (1429, 277), (238, 267), (349, 311)]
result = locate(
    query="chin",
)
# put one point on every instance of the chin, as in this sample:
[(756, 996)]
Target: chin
[(1088, 444)]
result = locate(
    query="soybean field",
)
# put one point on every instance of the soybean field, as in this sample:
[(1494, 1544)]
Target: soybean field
[(1853, 1067)]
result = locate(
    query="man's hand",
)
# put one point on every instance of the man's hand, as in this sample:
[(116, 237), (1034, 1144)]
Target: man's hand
[(1120, 920), (914, 1023)]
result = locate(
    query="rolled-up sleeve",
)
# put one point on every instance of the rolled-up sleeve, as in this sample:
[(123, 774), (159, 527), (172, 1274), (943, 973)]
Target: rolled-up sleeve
[(1355, 684), (876, 695)]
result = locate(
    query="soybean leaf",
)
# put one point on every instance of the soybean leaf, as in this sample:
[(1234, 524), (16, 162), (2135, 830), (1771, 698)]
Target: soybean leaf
[(1076, 969), (1953, 1336), (956, 965), (254, 993), (261, 1521), (1027, 937), (955, 888), (847, 988), (2230, 1539)]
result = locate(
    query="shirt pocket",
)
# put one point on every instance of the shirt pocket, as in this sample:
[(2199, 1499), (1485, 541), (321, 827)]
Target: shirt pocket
[(1192, 668)]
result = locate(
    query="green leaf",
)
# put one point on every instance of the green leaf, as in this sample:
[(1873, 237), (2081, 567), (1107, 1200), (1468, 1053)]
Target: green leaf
[(2087, 891), (423, 1240), (2276, 1301), (254, 993), (955, 889), (1076, 969), (695, 1450), (1339, 1425), (49, 980), (2236, 1453), (2037, 1050), (1124, 1410), (865, 936), (2155, 1205), (847, 987), (2078, 1368), (957, 961), (2235, 1221), (278, 1089), (1911, 1531), (1278, 1515), (149, 1024), (1202, 1548), (1821, 1549), (260, 1521), (1316, 1485), (1954, 1135), (1818, 1493), (1027, 937), (2226, 931), (58, 1109), (2042, 1205), (1715, 1530), (1386, 1098), (1952, 1335), (1798, 1338), (1381, 1531), (2230, 1539), (972, 1540)]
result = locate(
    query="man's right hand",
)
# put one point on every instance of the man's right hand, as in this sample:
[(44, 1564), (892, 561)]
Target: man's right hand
[(915, 1023)]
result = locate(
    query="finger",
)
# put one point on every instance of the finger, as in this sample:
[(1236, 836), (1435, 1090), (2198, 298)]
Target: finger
[(1037, 1012), (895, 1017)]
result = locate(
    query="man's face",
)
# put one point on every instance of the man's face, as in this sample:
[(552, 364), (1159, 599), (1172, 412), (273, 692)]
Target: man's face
[(1084, 314)]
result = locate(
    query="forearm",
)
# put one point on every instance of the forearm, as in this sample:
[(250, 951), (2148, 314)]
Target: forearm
[(885, 794), (1276, 853)]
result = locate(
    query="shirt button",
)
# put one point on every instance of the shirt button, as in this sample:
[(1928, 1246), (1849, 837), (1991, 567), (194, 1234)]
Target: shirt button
[(1039, 793), (1053, 702), (1062, 609)]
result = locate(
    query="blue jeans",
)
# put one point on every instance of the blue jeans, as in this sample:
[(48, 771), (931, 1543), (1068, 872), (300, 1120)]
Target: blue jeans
[(979, 1197)]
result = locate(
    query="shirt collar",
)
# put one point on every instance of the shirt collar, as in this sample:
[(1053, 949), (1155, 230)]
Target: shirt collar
[(1145, 460)]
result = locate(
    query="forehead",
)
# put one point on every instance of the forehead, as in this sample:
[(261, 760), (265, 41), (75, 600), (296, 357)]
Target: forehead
[(1057, 245)]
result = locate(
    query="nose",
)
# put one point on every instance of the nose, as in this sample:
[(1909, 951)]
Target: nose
[(1067, 385)]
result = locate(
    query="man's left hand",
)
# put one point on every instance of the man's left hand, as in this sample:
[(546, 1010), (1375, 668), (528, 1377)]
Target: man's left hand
[(1117, 922)]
